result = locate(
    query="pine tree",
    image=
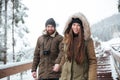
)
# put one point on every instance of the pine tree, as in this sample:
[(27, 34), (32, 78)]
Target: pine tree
[(5, 35), (12, 28), (119, 5)]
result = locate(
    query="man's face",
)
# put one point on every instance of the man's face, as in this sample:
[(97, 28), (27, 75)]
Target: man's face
[(50, 29)]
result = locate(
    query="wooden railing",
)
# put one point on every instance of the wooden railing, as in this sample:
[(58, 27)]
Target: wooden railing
[(116, 58), (10, 69)]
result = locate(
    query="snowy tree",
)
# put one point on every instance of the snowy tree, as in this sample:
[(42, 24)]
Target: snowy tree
[(107, 29), (0, 11), (12, 14)]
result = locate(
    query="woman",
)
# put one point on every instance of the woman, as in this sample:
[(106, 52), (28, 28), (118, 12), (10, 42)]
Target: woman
[(78, 55)]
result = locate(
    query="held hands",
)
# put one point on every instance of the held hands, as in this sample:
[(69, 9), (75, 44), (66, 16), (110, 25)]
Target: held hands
[(56, 67)]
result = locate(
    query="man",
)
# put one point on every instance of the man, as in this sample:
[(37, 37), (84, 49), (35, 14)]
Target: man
[(46, 53)]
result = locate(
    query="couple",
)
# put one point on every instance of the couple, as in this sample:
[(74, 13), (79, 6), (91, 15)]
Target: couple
[(71, 57)]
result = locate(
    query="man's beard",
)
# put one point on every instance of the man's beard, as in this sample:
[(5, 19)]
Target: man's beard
[(50, 32)]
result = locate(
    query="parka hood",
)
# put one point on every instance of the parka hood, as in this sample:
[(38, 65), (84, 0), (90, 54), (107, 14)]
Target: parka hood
[(85, 23)]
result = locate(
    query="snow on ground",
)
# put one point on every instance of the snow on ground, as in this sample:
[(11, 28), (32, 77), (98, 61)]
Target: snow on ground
[(14, 64)]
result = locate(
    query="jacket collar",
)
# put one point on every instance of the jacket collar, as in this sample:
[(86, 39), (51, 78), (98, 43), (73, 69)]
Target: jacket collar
[(53, 35)]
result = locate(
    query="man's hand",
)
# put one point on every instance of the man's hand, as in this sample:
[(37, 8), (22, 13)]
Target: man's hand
[(34, 74)]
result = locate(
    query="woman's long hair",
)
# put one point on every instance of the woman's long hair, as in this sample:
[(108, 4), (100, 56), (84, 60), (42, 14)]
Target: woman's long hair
[(80, 50)]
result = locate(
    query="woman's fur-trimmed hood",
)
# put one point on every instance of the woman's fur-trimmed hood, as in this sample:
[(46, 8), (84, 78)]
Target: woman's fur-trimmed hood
[(85, 23)]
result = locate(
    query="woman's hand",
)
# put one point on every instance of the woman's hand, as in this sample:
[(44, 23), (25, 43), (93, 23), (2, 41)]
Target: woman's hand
[(56, 67)]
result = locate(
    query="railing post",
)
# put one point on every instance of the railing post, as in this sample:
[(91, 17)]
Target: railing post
[(21, 76), (8, 78)]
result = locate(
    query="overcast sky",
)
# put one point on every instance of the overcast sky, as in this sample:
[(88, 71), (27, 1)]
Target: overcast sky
[(60, 10)]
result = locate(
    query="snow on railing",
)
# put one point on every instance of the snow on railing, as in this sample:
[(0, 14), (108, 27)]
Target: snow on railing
[(116, 57), (116, 47), (13, 68)]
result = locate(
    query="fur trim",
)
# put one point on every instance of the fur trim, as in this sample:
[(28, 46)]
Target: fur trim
[(85, 23)]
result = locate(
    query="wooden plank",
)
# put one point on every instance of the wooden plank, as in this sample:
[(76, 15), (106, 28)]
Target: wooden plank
[(104, 68), (15, 69)]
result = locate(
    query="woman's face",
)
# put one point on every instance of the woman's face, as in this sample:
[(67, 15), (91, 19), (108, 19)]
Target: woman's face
[(76, 28)]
